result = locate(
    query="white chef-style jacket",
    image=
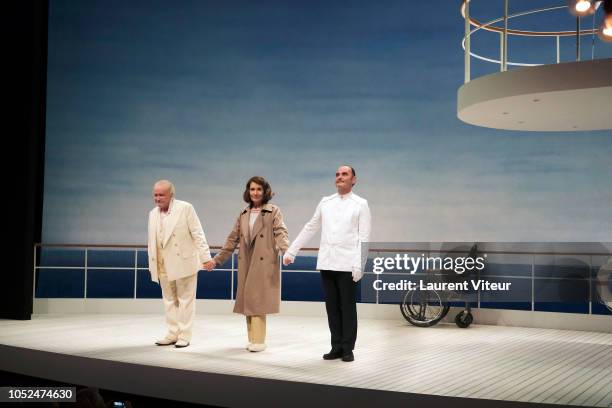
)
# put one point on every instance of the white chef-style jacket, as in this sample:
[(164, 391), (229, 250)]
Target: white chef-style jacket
[(345, 224)]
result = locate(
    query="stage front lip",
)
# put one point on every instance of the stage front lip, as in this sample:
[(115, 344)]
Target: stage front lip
[(213, 388)]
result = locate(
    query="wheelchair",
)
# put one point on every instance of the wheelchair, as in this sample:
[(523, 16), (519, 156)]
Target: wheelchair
[(425, 308), (604, 284)]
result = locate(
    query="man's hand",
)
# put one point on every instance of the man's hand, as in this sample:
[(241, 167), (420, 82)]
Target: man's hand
[(288, 259), (210, 265), (357, 274)]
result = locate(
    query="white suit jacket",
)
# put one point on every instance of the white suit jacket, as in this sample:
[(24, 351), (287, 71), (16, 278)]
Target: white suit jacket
[(184, 246)]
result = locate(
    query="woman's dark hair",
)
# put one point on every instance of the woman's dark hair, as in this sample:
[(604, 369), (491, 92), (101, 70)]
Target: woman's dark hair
[(267, 190)]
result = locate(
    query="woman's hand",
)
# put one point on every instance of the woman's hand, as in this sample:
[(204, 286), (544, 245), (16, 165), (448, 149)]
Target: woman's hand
[(210, 265), (288, 259)]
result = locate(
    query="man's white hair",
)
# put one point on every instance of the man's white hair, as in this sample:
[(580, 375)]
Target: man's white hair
[(166, 183)]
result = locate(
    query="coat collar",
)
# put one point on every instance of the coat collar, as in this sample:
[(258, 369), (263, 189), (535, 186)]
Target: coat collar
[(266, 208)]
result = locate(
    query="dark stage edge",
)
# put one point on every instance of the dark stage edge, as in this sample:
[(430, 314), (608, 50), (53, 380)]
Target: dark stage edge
[(218, 389)]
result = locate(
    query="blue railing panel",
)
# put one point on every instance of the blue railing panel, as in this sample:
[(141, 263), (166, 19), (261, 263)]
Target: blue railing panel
[(520, 291), (110, 284), (61, 257), (60, 283), (107, 258), (304, 286), (214, 285), (143, 259), (561, 290), (493, 269), (562, 268), (599, 309), (145, 288)]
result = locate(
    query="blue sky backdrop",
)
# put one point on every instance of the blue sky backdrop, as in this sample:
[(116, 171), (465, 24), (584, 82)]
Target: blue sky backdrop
[(209, 93)]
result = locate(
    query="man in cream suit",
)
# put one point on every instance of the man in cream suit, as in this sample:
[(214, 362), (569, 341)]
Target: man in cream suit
[(344, 220), (177, 251)]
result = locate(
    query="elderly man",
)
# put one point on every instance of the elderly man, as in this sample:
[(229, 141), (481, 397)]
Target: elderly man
[(177, 251), (344, 219)]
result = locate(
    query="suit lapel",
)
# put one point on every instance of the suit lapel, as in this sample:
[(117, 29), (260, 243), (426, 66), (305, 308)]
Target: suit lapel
[(171, 221), (154, 224)]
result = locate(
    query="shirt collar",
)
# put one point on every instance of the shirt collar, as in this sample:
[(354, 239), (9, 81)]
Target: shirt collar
[(266, 207), (345, 196), (169, 208)]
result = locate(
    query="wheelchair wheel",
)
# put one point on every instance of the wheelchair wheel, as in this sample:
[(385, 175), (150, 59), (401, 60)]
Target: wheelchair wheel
[(423, 308), (464, 319)]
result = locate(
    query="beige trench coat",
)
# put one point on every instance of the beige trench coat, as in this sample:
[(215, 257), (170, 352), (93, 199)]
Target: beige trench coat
[(258, 260)]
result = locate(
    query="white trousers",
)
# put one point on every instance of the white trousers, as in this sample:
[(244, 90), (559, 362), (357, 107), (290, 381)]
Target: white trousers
[(179, 303)]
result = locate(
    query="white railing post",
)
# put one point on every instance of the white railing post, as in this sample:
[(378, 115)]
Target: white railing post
[(466, 57), (533, 260), (502, 49), (504, 45), (85, 288), (593, 39), (280, 286), (558, 53), (135, 270), (577, 38), (232, 278), (591, 284)]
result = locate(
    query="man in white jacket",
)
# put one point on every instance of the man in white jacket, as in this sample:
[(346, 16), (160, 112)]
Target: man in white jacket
[(344, 219), (177, 251)]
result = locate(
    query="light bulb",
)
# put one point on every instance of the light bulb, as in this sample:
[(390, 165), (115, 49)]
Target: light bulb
[(582, 6)]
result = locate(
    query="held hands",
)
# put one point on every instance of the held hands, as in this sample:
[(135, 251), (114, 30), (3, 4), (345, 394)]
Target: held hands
[(210, 265), (288, 259)]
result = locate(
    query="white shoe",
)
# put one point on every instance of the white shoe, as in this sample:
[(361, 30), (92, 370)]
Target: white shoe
[(181, 343), (248, 345), (165, 341), (256, 347)]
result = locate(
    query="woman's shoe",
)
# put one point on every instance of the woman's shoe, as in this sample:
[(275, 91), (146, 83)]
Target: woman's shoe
[(256, 347)]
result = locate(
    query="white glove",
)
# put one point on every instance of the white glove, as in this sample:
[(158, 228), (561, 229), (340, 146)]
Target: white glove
[(357, 274)]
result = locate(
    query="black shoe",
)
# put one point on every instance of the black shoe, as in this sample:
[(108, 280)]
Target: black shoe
[(332, 355), (348, 356)]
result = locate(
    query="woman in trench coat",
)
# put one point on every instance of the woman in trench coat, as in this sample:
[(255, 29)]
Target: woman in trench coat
[(260, 234)]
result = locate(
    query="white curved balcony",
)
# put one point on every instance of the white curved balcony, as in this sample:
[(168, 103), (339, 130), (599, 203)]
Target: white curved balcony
[(570, 96), (565, 96)]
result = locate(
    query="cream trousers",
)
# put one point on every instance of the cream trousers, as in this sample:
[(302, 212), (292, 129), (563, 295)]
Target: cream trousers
[(256, 329), (179, 303)]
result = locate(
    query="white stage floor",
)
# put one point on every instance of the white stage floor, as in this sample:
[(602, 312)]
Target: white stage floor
[(483, 362)]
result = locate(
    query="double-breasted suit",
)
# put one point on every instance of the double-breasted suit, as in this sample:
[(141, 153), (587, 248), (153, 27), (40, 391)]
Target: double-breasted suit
[(177, 248)]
